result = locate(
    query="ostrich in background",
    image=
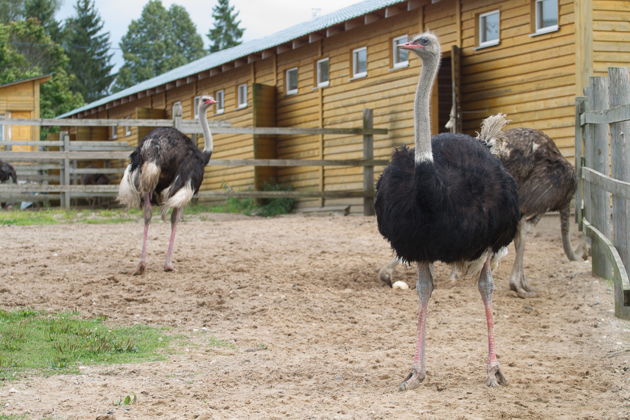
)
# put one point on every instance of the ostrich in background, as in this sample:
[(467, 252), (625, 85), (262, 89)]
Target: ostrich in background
[(546, 182), (94, 179), (7, 171), (166, 169), (448, 200)]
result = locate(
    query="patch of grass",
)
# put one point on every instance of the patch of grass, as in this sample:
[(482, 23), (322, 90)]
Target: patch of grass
[(62, 216), (267, 207), (13, 417), (215, 342), (127, 400), (32, 341)]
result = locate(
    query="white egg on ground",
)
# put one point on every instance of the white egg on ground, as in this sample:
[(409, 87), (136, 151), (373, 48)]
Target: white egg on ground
[(400, 285)]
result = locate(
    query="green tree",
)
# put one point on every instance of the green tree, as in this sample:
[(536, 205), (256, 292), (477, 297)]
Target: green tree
[(87, 47), (160, 40), (42, 10), (225, 32), (26, 50)]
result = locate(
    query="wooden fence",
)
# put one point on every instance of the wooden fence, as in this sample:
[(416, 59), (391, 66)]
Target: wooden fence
[(603, 162), (71, 151)]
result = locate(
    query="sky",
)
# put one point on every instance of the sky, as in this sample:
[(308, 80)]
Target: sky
[(258, 17)]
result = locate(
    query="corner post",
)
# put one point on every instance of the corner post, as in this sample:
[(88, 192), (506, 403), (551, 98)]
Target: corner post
[(65, 138), (368, 170)]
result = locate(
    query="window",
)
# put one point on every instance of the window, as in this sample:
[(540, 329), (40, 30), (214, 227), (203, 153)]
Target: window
[(127, 128), (292, 81), (2, 129), (5, 131), (196, 107), (400, 57), (359, 62), (242, 96), (323, 79), (219, 96), (546, 12), (114, 132), (489, 29)]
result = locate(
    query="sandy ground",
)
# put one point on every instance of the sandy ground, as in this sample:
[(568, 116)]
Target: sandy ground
[(315, 335)]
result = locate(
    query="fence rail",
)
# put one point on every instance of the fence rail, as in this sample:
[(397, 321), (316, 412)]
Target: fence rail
[(602, 200), (69, 152)]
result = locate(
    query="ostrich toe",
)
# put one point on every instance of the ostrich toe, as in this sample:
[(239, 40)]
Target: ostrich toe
[(495, 376), (140, 270), (413, 380), (169, 267), (522, 288)]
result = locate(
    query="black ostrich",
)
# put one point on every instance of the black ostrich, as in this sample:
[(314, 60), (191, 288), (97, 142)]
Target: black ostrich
[(546, 182), (448, 200), (166, 169), (7, 172)]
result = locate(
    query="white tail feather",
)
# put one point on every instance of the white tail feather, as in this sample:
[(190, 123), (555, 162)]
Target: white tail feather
[(128, 195), (492, 132), (149, 177), (179, 199)]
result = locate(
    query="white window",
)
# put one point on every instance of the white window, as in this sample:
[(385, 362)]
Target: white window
[(400, 56), (219, 96), (323, 78), (242, 96), (359, 62), (127, 128), (114, 132), (292, 81), (196, 107), (546, 15), (5, 131), (1, 129), (489, 29)]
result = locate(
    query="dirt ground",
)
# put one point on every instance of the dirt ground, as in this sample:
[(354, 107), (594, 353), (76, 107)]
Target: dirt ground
[(315, 334)]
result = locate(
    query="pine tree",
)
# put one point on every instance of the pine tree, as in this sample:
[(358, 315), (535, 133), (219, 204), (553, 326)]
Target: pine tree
[(157, 42), (44, 12), (226, 32), (88, 50)]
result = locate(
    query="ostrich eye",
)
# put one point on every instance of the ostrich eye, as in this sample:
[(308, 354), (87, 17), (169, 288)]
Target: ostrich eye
[(424, 41)]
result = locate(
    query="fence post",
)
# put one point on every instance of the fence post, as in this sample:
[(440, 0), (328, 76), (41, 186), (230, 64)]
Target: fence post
[(368, 171), (619, 88), (66, 168), (178, 114), (599, 214), (579, 160)]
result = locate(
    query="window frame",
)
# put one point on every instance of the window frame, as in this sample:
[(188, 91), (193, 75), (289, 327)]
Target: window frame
[(356, 75), (128, 131), (396, 51), (113, 133), (239, 104), (196, 101), (220, 105), (2, 128), (318, 81), (480, 33), (287, 87), (538, 30)]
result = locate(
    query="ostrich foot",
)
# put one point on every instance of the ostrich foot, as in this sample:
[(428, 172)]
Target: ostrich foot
[(140, 270), (522, 288), (413, 380), (495, 376), (169, 267), (386, 274)]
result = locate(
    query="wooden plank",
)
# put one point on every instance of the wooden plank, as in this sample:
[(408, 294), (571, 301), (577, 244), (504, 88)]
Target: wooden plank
[(620, 273), (47, 156), (579, 160), (31, 143), (73, 122), (33, 188), (612, 115), (612, 185), (294, 162), (368, 155), (597, 151), (281, 194), (11, 198), (82, 171), (620, 151), (66, 169)]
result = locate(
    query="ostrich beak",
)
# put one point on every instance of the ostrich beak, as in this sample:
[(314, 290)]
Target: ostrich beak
[(410, 46), (209, 101)]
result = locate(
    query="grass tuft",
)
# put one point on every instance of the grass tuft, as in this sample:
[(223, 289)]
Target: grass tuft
[(58, 343)]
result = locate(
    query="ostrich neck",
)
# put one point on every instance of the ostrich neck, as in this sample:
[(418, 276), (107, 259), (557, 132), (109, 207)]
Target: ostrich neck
[(422, 109), (207, 136)]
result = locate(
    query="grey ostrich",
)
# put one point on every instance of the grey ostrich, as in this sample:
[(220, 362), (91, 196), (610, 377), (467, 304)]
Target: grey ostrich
[(546, 182), (448, 200), (166, 169)]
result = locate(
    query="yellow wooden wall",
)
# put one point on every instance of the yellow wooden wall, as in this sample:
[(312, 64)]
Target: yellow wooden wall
[(611, 35), (530, 78), (21, 100)]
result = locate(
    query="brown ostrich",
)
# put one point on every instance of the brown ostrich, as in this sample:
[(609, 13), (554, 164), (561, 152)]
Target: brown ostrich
[(7, 172), (546, 182)]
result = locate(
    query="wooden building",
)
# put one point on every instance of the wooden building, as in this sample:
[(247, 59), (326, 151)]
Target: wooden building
[(526, 58), (20, 100)]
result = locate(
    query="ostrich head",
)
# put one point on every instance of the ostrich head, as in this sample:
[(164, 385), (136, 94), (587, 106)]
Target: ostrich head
[(204, 103), (424, 45)]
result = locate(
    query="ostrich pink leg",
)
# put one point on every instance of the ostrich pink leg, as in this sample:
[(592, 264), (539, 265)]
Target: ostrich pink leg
[(424, 287), (147, 221), (485, 285), (168, 265)]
